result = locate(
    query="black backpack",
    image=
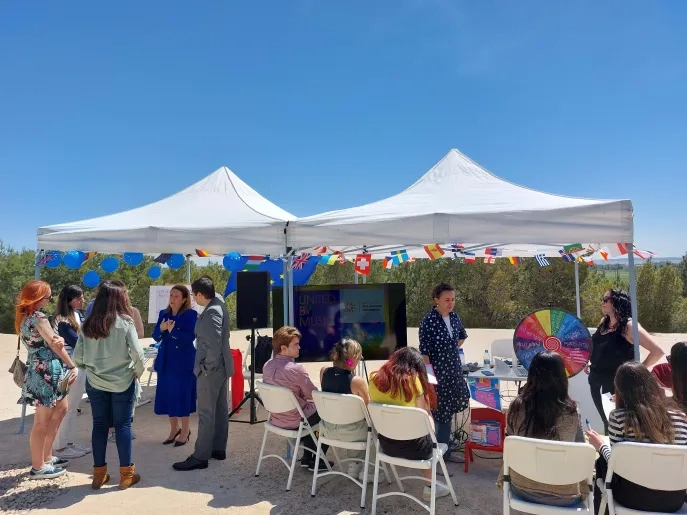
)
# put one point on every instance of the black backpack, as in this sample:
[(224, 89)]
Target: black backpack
[(263, 353)]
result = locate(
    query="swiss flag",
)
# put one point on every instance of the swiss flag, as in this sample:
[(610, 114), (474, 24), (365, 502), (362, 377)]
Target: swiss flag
[(363, 263)]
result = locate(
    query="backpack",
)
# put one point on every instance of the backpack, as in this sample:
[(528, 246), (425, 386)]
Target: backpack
[(263, 353)]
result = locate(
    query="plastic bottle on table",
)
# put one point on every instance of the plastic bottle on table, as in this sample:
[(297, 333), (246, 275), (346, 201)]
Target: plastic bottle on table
[(487, 359)]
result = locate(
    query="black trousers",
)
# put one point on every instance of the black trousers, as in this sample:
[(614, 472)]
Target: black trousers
[(599, 384), (636, 497), (307, 441)]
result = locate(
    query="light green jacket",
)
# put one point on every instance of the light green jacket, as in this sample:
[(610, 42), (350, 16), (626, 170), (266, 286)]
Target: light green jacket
[(111, 363)]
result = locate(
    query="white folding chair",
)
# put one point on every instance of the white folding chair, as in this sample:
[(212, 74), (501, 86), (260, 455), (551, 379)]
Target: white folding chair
[(401, 423), (658, 467), (278, 399), (551, 463), (335, 408)]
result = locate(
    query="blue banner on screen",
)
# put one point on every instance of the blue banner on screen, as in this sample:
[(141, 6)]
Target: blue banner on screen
[(372, 314)]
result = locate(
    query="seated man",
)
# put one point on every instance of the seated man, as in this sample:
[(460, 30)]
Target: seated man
[(281, 370)]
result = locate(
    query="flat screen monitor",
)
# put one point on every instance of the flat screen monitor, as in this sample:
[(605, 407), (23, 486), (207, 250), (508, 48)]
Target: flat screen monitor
[(372, 314)]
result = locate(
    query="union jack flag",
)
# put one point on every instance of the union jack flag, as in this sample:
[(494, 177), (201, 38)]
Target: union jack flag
[(43, 257), (300, 260)]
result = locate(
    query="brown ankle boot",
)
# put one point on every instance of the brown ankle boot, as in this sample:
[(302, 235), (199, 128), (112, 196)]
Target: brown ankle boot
[(100, 477), (128, 477)]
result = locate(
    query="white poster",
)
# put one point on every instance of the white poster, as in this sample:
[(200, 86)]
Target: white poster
[(159, 300)]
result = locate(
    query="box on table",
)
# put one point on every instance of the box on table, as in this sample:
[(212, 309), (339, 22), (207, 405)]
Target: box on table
[(485, 433)]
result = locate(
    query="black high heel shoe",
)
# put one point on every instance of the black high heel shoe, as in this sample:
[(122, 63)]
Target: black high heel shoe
[(167, 442), (179, 444)]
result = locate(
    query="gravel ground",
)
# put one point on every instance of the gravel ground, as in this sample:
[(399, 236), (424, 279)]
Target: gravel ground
[(19, 494)]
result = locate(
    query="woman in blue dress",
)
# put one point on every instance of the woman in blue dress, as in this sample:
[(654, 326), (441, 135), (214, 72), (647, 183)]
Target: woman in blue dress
[(176, 383)]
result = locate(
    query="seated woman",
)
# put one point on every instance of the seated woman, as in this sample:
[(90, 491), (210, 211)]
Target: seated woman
[(678, 374), (544, 410), (176, 383), (402, 381), (642, 414), (340, 378)]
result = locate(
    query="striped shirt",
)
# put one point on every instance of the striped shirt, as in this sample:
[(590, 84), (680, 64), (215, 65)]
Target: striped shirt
[(616, 430)]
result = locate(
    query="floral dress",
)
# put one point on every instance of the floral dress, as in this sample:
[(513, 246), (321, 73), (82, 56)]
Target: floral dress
[(45, 371)]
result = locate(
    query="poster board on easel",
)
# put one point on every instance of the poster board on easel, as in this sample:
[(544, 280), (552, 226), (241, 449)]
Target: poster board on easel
[(159, 300)]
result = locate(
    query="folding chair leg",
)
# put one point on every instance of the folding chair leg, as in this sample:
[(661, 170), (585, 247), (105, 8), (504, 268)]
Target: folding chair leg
[(262, 450), (375, 484), (386, 473), (506, 498), (467, 456), (448, 481), (365, 471), (145, 394), (294, 459), (317, 469), (433, 489), (398, 479)]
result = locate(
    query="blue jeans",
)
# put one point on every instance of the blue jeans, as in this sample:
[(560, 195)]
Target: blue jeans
[(111, 410), (443, 434)]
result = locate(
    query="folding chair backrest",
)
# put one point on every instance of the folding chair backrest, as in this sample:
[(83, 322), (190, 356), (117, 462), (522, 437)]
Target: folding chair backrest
[(277, 399), (547, 461), (400, 423), (659, 467), (336, 408)]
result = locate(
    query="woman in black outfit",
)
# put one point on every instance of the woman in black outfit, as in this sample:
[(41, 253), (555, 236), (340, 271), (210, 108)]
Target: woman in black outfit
[(612, 345)]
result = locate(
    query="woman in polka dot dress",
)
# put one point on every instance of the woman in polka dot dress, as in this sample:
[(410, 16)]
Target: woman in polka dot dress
[(441, 335)]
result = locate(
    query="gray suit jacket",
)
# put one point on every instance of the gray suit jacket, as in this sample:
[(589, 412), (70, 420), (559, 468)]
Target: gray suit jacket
[(212, 339)]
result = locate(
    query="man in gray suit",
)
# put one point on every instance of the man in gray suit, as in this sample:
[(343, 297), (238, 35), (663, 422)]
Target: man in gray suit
[(214, 365)]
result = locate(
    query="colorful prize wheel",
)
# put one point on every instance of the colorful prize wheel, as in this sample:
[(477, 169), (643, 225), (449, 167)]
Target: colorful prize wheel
[(557, 331)]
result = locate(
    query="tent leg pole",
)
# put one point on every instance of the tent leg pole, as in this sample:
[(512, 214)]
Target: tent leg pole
[(633, 298), (188, 269), (290, 289), (355, 277), (285, 290), (577, 288)]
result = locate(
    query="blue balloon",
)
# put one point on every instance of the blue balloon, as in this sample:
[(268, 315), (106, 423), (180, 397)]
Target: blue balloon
[(175, 261), (109, 264), (232, 261), (91, 279), (73, 259), (154, 272), (133, 258), (53, 259)]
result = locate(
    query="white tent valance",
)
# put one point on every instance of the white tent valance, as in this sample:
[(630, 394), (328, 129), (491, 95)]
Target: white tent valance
[(459, 201), (218, 214)]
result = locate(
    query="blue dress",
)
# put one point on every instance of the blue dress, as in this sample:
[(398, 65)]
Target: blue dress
[(176, 382)]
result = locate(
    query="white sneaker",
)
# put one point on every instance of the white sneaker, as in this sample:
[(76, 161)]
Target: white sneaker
[(441, 491), (83, 448), (370, 475), (354, 469), (70, 452)]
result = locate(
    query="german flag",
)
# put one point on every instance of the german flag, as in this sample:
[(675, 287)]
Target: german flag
[(202, 253)]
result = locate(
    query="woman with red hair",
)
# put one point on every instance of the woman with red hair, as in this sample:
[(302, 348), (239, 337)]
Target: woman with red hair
[(403, 381), (43, 388)]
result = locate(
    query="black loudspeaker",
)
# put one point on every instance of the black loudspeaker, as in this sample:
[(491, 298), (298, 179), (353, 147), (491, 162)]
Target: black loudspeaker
[(252, 299)]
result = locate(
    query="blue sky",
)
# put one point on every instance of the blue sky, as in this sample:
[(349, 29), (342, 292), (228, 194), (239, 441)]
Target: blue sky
[(321, 105)]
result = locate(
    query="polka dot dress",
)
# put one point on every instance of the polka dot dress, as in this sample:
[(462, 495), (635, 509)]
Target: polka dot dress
[(442, 348)]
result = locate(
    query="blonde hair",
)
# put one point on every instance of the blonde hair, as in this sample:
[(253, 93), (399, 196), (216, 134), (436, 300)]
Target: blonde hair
[(347, 353), (282, 337)]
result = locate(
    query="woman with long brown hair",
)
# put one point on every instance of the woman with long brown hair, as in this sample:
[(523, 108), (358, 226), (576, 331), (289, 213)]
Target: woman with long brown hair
[(176, 382), (544, 410), (67, 321), (403, 381), (678, 373), (642, 414), (109, 351), (43, 385)]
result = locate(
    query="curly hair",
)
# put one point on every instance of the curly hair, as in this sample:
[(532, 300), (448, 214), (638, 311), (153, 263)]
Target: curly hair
[(622, 309)]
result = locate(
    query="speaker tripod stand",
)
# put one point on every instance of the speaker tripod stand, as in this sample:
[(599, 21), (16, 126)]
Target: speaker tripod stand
[(251, 395)]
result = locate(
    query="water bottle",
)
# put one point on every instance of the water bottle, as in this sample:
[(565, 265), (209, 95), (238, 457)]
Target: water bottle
[(461, 356), (487, 360)]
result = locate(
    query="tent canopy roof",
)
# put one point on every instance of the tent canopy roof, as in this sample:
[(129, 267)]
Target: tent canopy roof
[(458, 200), (219, 214)]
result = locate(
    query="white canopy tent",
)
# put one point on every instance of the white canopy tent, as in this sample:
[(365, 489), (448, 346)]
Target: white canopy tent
[(218, 214), (459, 201)]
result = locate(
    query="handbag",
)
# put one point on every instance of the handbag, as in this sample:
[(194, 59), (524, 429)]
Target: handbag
[(18, 368)]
